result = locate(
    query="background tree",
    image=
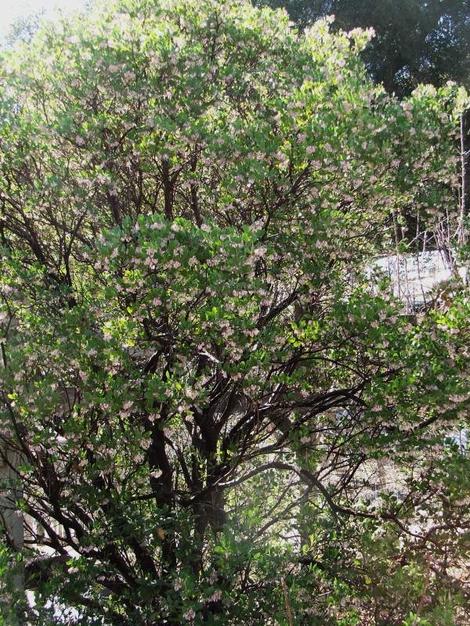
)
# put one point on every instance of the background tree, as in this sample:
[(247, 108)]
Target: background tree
[(417, 41), (200, 377)]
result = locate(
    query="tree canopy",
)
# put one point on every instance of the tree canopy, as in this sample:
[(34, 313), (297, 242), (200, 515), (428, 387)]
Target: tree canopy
[(219, 413), (417, 41)]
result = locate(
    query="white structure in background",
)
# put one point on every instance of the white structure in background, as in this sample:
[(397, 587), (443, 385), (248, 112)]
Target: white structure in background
[(414, 277), (11, 518)]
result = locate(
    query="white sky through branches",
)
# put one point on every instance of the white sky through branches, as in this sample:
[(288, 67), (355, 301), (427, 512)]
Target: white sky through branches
[(12, 10)]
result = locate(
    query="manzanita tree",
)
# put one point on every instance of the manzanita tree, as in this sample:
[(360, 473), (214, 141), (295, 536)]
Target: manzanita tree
[(211, 412)]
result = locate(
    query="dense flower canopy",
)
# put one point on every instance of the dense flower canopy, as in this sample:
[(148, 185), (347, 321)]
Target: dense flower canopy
[(201, 384)]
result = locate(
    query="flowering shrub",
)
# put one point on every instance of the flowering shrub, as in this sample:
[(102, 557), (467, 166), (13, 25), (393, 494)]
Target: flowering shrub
[(203, 387)]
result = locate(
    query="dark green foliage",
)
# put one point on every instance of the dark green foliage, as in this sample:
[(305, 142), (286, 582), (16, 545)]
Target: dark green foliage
[(417, 41)]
